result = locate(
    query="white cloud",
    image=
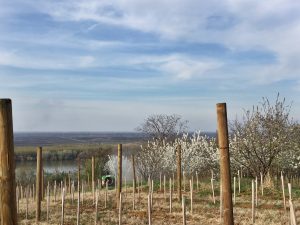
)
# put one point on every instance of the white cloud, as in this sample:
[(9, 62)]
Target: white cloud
[(271, 24), (185, 68)]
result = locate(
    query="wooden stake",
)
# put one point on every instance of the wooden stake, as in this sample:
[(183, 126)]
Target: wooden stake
[(183, 173), (78, 196), (119, 189), (120, 209), (292, 213), (38, 184), (160, 181), (225, 163), (18, 202), (191, 194), (27, 196), (93, 177), (253, 202), (133, 172), (105, 200), (149, 210), (213, 190), (283, 194), (165, 187), (73, 191), (170, 186), (234, 190), (256, 189), (262, 184), (179, 172), (183, 211), (55, 191), (197, 178), (48, 201), (62, 206), (133, 195), (239, 177), (125, 186), (96, 208), (290, 191)]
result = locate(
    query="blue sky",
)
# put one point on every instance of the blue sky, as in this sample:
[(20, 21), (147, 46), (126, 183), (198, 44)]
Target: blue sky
[(91, 65)]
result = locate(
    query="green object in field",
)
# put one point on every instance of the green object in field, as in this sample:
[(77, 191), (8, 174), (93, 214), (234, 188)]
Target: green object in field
[(108, 179)]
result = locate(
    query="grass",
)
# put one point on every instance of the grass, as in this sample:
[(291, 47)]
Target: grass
[(269, 211)]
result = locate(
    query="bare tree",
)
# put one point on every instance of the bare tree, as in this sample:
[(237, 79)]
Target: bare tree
[(263, 134), (163, 127)]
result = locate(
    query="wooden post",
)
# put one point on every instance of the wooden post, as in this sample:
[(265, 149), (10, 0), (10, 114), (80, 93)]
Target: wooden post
[(170, 186), (253, 202), (96, 209), (256, 189), (160, 181), (239, 177), (8, 205), (78, 199), (290, 191), (93, 177), (183, 211), (165, 186), (133, 195), (133, 172), (283, 194), (55, 187), (183, 173), (191, 194), (27, 195), (225, 164), (38, 183), (120, 209), (262, 184), (179, 172), (234, 190), (292, 214), (119, 184), (213, 190), (48, 201), (62, 206), (106, 189), (149, 210), (197, 178)]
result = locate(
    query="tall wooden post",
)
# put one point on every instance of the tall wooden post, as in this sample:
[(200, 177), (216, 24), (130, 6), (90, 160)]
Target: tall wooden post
[(119, 178), (133, 171), (93, 177), (225, 164), (38, 183), (179, 172), (8, 205)]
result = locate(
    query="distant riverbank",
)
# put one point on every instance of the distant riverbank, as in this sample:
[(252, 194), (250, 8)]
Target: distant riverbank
[(66, 152)]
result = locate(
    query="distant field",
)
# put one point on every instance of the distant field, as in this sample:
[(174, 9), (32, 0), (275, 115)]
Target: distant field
[(80, 147), (71, 138)]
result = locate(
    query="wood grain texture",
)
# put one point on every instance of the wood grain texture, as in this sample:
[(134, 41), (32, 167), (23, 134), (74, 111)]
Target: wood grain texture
[(225, 164), (8, 206)]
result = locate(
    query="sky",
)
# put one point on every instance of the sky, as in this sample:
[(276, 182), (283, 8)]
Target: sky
[(106, 65)]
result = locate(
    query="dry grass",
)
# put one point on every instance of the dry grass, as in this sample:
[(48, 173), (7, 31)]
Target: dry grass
[(269, 211)]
